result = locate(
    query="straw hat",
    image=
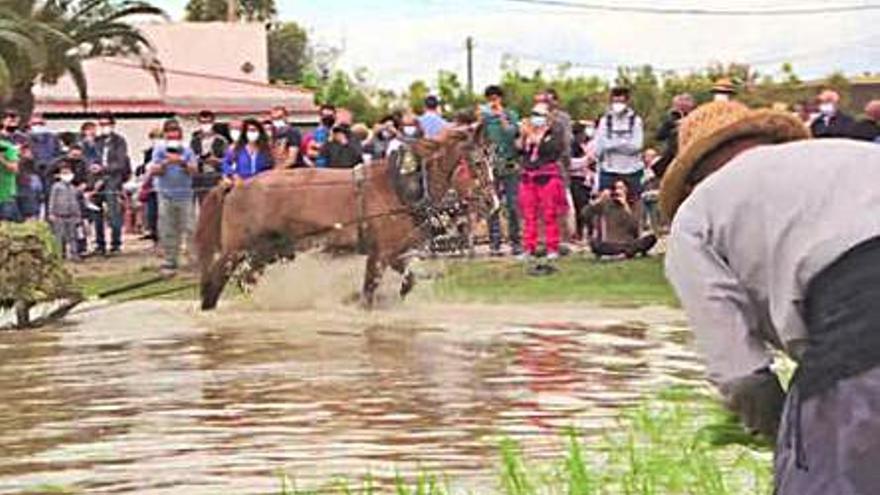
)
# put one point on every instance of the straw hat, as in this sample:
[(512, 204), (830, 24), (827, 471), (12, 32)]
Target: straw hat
[(724, 85), (714, 126)]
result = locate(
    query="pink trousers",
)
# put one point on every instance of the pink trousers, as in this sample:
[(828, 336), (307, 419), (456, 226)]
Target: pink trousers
[(542, 193)]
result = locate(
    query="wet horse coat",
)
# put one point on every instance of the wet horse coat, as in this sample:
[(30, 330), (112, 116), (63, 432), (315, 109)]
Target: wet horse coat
[(280, 213)]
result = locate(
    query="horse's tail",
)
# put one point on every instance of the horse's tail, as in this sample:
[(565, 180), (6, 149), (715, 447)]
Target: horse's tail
[(208, 230)]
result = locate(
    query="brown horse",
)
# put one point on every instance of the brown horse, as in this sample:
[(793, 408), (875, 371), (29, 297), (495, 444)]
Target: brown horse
[(280, 213)]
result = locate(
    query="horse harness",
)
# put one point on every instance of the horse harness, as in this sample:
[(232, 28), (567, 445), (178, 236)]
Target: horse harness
[(411, 182)]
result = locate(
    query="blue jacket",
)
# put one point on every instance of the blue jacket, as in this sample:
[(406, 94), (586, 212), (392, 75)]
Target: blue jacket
[(238, 163)]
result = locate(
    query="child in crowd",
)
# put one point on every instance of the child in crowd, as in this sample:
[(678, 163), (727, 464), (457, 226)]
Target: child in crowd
[(64, 212)]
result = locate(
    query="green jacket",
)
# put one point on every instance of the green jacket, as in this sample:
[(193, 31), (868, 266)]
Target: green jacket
[(504, 138), (8, 188)]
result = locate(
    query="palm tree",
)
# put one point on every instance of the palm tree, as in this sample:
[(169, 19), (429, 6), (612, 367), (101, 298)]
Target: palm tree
[(68, 32)]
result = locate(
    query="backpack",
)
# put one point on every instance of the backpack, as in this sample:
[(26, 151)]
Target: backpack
[(632, 123)]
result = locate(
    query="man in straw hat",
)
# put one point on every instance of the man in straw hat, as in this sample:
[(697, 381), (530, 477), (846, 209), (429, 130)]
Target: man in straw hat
[(723, 90), (776, 243)]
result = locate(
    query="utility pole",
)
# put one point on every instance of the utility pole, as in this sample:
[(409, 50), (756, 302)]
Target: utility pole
[(231, 11), (469, 44)]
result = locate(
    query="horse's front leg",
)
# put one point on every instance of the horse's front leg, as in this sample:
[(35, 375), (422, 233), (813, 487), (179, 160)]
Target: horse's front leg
[(401, 266), (372, 279)]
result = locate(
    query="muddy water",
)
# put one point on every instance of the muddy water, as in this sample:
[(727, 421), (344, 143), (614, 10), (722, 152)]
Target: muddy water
[(155, 398)]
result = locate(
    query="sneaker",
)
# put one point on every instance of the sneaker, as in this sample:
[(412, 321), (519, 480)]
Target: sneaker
[(524, 257), (115, 250), (168, 268), (552, 257)]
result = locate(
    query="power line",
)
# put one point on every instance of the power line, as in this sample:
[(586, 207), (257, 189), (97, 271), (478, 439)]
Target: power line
[(702, 11)]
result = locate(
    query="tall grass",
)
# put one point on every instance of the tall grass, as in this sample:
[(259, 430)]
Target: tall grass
[(679, 443)]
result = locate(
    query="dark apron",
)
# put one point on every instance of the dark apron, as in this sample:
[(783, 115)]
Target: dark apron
[(829, 441)]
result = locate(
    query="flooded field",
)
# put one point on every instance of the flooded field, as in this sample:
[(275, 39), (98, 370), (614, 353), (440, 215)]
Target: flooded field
[(154, 397)]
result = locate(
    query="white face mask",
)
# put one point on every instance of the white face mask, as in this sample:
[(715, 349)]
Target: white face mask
[(279, 124), (618, 107), (106, 130), (410, 130), (721, 97), (253, 136), (173, 144), (235, 134), (206, 128), (589, 131), (827, 109), (67, 178), (38, 129), (538, 120)]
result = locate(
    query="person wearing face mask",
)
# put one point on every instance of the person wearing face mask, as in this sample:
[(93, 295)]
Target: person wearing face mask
[(314, 141), (542, 190), (235, 133), (174, 165), (286, 140), (251, 155), (209, 147), (499, 127), (831, 122), (12, 130), (65, 213), (343, 150), (114, 168), (619, 141), (383, 135)]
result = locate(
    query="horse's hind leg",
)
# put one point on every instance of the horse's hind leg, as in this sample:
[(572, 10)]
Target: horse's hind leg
[(214, 279), (372, 279), (401, 266)]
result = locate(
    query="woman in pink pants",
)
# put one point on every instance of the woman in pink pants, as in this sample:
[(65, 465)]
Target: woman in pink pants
[(541, 190)]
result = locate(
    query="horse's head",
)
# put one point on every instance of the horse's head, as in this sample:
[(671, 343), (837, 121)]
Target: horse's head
[(461, 162)]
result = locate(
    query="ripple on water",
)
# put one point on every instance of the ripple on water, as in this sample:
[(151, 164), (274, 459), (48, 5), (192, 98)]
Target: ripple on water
[(151, 397)]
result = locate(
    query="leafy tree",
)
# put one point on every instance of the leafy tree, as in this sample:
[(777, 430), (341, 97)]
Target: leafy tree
[(288, 52), (71, 31), (418, 91), (217, 10)]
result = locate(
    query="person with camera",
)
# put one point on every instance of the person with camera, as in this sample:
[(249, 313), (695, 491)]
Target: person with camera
[(173, 167), (615, 228), (500, 128), (9, 158), (209, 146), (343, 150)]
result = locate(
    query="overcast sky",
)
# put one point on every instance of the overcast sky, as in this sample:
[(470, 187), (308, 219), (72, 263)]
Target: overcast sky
[(402, 40)]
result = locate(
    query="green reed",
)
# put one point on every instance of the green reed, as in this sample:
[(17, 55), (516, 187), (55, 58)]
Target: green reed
[(678, 443)]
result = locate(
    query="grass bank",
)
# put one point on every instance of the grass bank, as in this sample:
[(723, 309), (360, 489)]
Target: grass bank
[(680, 442), (635, 282)]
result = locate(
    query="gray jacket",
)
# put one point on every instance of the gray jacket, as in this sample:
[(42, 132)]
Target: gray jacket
[(619, 140), (64, 202), (750, 238)]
